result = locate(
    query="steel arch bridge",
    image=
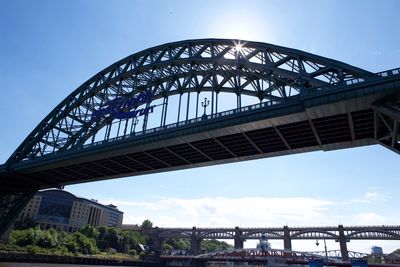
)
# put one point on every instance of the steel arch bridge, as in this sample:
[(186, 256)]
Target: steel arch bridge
[(200, 102), (341, 234)]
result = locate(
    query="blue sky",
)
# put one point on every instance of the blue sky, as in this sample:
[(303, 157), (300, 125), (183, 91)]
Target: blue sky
[(49, 48)]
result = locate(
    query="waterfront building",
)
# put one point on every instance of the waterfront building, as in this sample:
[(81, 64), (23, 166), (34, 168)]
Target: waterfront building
[(59, 209)]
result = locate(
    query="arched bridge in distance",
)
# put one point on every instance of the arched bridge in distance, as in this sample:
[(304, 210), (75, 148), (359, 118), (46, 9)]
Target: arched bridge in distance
[(341, 234), (201, 102)]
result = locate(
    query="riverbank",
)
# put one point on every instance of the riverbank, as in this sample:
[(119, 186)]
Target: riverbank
[(21, 257), (27, 264)]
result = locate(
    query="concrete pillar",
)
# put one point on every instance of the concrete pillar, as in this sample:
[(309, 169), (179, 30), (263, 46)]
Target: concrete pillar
[(195, 243), (342, 243), (238, 238), (287, 242), (156, 242)]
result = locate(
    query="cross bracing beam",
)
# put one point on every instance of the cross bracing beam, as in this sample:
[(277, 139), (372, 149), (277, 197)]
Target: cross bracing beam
[(386, 123)]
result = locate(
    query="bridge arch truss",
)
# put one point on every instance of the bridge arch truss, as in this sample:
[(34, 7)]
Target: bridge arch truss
[(230, 73)]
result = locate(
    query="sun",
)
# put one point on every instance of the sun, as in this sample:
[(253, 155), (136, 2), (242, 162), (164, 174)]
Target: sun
[(238, 48)]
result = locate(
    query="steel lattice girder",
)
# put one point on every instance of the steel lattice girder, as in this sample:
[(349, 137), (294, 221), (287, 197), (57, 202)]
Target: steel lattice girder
[(264, 71), (387, 121), (295, 233)]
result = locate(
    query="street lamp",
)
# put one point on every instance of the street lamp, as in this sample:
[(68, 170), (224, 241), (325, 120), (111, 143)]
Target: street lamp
[(326, 251), (205, 105)]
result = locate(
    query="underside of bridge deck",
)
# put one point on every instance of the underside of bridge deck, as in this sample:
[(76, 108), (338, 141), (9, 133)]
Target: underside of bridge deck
[(328, 133)]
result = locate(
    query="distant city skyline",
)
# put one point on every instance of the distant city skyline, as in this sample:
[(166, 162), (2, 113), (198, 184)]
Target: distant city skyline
[(49, 48)]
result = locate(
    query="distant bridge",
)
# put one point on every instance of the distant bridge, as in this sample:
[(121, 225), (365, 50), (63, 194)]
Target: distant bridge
[(196, 103), (337, 254), (341, 234)]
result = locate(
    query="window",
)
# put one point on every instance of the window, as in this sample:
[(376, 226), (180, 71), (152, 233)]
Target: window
[(55, 207)]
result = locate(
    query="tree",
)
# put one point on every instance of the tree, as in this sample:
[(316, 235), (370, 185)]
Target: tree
[(178, 243), (87, 240), (46, 239), (71, 244), (213, 245), (85, 245), (147, 224), (24, 238), (90, 231), (113, 238)]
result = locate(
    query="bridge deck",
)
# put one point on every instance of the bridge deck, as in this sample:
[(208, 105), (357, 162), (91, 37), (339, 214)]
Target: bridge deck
[(324, 121)]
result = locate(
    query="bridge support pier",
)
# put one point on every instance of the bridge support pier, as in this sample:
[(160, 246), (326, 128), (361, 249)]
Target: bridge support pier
[(11, 204), (287, 242), (156, 241), (342, 242), (195, 243), (238, 238)]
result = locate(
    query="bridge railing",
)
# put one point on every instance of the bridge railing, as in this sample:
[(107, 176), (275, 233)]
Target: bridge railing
[(226, 113), (388, 73), (383, 74)]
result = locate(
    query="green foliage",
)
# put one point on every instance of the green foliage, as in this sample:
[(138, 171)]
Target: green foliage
[(206, 245), (212, 245), (11, 248), (146, 224), (90, 231), (61, 251), (118, 239), (85, 244), (23, 238), (46, 239), (178, 243), (167, 247), (33, 249), (88, 240)]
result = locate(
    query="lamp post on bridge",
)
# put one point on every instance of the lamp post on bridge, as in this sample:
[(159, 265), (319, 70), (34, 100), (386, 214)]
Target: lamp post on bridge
[(326, 251), (205, 105)]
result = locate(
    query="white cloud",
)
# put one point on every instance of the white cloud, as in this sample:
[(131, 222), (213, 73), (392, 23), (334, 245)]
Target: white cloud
[(369, 197), (258, 212), (217, 211)]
